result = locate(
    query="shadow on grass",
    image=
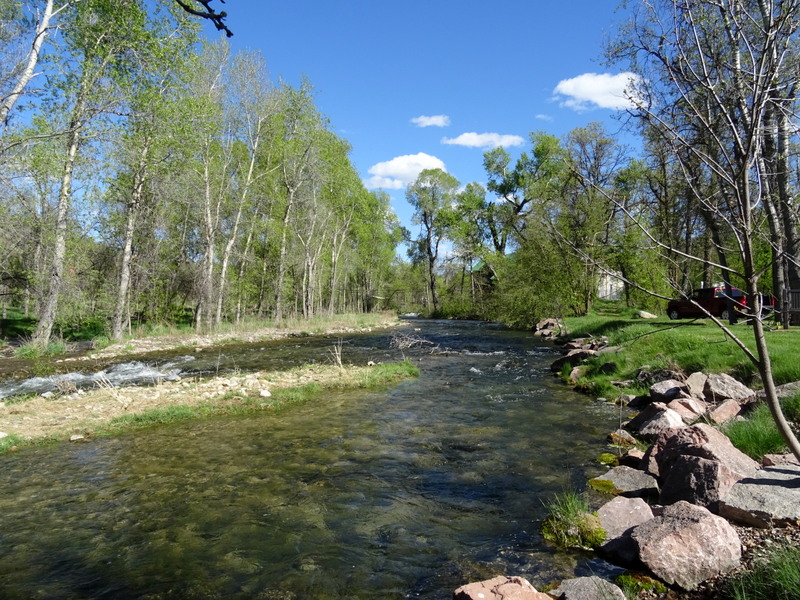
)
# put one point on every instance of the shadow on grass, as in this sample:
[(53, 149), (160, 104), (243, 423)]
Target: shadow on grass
[(15, 328)]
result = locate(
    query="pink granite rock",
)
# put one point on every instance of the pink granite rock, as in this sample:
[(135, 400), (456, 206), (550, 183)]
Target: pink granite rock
[(500, 588)]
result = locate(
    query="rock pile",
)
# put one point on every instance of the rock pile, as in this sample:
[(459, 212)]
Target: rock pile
[(700, 484)]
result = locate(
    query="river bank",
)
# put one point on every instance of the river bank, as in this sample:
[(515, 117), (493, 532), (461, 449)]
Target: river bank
[(758, 545), (78, 415)]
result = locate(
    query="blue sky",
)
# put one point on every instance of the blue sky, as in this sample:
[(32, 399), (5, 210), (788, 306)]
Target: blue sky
[(436, 83)]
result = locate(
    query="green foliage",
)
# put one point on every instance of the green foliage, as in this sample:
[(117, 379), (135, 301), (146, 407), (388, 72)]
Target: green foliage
[(606, 458), (776, 577), (32, 350), (569, 523), (11, 442)]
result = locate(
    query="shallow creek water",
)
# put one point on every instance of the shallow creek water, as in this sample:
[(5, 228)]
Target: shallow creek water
[(402, 493)]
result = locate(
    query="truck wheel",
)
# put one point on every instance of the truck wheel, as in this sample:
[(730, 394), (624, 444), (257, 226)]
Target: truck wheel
[(674, 314), (725, 314)]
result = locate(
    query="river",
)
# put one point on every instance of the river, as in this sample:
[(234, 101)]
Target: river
[(402, 493)]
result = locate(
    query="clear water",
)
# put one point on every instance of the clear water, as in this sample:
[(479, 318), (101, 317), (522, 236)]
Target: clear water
[(404, 493)]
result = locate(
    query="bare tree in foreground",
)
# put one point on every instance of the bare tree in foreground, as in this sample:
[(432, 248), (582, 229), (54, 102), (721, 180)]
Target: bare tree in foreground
[(711, 76)]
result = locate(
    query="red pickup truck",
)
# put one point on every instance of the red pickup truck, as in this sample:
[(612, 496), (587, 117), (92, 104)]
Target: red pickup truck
[(713, 299)]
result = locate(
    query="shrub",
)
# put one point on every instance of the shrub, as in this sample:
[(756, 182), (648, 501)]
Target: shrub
[(570, 524), (777, 577)]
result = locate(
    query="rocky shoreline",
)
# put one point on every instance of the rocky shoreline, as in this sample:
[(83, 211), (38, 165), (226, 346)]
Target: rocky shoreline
[(691, 510)]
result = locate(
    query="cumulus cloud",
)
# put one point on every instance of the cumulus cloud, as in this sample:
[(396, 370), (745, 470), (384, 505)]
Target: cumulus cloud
[(484, 140), (592, 90), (397, 173), (431, 121)]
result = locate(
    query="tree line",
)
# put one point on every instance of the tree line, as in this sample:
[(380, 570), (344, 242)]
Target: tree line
[(157, 177), (710, 198)]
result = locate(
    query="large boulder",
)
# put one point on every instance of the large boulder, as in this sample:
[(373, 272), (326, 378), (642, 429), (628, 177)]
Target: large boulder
[(588, 588), (720, 387), (618, 518), (770, 498), (697, 464), (687, 544), (697, 480), (654, 419)]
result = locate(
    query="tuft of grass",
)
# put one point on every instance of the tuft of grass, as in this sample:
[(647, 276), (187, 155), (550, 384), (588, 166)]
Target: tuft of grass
[(570, 524), (32, 350), (757, 435), (633, 585), (775, 578), (11, 442)]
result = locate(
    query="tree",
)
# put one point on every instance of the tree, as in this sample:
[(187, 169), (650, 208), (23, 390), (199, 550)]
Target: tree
[(432, 195), (712, 73)]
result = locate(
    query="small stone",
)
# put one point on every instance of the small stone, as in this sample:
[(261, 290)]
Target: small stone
[(3, 434), (265, 393), (76, 438), (48, 395)]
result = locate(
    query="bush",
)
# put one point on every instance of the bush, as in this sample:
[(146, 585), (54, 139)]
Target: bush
[(570, 524), (775, 578)]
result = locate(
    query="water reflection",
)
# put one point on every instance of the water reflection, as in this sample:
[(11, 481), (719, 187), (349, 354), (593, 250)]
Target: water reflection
[(398, 494)]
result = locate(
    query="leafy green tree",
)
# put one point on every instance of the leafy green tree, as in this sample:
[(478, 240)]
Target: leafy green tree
[(432, 195)]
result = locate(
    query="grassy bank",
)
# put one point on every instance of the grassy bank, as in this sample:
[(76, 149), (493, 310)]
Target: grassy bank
[(691, 345), (157, 336), (103, 412)]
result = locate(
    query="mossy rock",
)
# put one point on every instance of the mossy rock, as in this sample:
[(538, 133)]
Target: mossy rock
[(604, 486), (634, 584), (606, 458), (583, 532)]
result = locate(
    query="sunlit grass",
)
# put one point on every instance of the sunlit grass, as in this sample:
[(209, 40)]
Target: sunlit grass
[(758, 435), (570, 524), (777, 577), (690, 345), (32, 350)]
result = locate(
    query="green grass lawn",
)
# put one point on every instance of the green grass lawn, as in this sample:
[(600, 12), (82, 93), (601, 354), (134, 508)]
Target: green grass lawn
[(691, 345)]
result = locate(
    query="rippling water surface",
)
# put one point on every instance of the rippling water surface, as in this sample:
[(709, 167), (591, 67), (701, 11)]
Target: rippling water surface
[(405, 493)]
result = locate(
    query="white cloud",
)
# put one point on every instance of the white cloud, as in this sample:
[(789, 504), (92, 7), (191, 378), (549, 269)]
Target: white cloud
[(484, 140), (543, 117), (432, 121), (592, 90), (397, 173)]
